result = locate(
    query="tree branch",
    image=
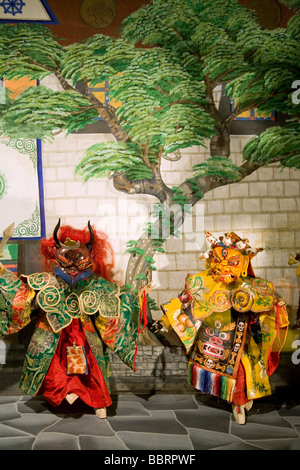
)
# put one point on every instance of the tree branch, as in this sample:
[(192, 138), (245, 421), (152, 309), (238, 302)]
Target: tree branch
[(153, 187), (206, 183), (220, 143), (108, 113)]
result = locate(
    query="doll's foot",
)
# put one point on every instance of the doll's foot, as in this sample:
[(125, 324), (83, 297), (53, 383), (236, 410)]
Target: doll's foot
[(239, 414), (71, 397), (100, 413), (248, 405)]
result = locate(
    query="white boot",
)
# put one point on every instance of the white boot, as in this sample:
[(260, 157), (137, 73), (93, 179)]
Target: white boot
[(248, 405), (239, 414), (100, 413), (239, 411), (71, 397)]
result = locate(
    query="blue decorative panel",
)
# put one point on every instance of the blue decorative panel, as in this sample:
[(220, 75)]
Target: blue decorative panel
[(27, 11)]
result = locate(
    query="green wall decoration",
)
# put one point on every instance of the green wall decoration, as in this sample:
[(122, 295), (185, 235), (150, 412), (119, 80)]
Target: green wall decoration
[(3, 185), (21, 183)]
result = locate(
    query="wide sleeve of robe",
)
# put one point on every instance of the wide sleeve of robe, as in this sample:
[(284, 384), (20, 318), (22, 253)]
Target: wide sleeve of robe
[(16, 303), (120, 319)]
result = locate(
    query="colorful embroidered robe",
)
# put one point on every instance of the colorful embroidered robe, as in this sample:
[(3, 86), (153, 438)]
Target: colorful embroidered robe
[(108, 316), (222, 326)]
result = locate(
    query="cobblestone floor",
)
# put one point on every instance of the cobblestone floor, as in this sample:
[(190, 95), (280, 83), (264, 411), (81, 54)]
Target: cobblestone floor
[(157, 422), (185, 421), (141, 422)]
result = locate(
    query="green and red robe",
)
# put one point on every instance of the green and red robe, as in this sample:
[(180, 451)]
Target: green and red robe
[(95, 310)]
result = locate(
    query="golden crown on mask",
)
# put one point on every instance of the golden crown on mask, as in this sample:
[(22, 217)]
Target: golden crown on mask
[(229, 240)]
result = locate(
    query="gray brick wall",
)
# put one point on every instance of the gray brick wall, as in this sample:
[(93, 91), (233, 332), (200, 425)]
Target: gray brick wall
[(158, 368)]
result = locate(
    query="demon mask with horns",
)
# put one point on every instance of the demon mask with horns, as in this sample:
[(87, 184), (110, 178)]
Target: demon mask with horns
[(74, 254)]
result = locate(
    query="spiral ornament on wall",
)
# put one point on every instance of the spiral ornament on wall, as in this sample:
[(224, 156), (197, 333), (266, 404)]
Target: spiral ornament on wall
[(98, 13)]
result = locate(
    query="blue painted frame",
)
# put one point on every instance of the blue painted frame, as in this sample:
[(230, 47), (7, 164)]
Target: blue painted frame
[(252, 117), (41, 189), (105, 89), (49, 11)]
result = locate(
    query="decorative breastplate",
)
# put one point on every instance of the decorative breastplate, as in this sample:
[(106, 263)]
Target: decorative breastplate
[(61, 303), (244, 295)]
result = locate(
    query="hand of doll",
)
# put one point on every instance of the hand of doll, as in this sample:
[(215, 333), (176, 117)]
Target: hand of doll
[(158, 326), (281, 302), (146, 289)]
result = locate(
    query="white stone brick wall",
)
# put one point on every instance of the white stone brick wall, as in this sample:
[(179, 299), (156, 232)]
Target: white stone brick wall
[(264, 208)]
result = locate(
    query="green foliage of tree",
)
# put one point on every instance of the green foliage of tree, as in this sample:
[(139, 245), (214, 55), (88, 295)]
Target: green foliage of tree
[(97, 59), (295, 4), (283, 142), (217, 166), (28, 51), (25, 115), (106, 157), (258, 66)]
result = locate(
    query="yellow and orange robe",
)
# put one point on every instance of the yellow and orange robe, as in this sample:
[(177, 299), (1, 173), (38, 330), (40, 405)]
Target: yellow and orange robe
[(226, 329), (95, 312)]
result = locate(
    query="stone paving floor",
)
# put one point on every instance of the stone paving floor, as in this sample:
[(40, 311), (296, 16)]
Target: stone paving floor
[(141, 422), (159, 421)]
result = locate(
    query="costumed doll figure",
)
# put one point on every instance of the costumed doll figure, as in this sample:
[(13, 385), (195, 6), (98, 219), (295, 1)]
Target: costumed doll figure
[(231, 324), (78, 313)]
